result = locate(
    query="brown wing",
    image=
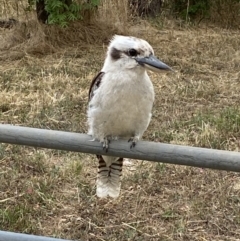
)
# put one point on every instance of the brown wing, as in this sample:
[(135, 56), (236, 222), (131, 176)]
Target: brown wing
[(95, 84)]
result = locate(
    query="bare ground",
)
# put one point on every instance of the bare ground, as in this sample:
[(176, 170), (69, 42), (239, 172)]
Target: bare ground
[(52, 193)]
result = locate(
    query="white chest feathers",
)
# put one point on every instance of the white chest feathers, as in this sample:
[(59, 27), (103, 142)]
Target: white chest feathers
[(121, 105)]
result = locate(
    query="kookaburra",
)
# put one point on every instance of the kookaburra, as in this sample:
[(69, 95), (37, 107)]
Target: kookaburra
[(120, 103)]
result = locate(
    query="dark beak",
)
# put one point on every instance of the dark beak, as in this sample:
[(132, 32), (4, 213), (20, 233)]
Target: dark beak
[(153, 63)]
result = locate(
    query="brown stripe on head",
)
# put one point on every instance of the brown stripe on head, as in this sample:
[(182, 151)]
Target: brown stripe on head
[(115, 54)]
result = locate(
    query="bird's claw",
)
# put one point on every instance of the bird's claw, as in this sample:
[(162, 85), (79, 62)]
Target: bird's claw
[(106, 143), (133, 144), (134, 141)]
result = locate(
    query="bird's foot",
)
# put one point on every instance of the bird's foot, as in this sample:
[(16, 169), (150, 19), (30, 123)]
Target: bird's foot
[(106, 142), (134, 141)]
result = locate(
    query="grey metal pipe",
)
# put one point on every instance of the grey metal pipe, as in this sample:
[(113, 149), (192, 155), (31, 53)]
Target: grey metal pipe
[(10, 236), (144, 150)]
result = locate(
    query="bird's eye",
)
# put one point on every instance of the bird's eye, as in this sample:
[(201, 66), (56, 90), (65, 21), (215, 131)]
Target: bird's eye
[(132, 52)]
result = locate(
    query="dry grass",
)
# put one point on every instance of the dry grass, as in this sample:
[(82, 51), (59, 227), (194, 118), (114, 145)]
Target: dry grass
[(225, 13), (51, 192), (29, 37), (221, 13), (35, 39)]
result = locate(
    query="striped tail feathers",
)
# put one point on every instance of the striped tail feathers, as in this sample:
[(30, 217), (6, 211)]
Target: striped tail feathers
[(115, 175), (109, 176), (102, 177)]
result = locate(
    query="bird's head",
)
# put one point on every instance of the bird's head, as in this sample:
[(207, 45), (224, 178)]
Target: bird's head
[(130, 53)]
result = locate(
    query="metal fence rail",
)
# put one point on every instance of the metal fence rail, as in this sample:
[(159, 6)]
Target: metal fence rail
[(149, 151), (9, 236)]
